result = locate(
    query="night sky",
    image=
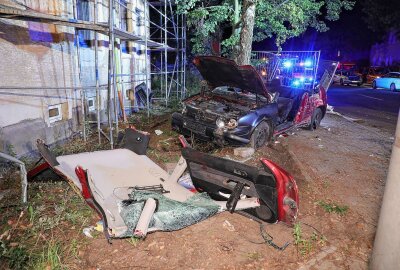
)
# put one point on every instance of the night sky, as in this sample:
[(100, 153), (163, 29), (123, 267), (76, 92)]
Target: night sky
[(349, 35)]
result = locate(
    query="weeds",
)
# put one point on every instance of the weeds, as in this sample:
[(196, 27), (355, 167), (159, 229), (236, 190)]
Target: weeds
[(333, 207), (32, 214), (133, 241), (17, 257), (36, 240), (50, 258), (305, 245), (162, 157)]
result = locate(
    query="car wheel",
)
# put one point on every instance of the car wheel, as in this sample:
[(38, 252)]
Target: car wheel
[(261, 134), (341, 82), (393, 87), (316, 119), (358, 84), (374, 84)]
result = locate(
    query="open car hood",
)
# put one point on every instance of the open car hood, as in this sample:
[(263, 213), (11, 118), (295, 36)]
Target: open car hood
[(218, 71)]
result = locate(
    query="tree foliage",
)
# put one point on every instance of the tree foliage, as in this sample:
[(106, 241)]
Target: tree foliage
[(382, 16), (281, 19), (205, 19)]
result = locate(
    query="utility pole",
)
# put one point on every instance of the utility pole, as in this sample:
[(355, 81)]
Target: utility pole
[(386, 252)]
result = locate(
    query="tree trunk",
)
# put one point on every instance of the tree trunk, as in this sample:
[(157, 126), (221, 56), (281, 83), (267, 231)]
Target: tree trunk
[(246, 34)]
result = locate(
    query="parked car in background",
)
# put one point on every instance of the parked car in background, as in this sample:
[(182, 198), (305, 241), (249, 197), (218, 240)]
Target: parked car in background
[(346, 66), (390, 81), (238, 108), (374, 73), (347, 77)]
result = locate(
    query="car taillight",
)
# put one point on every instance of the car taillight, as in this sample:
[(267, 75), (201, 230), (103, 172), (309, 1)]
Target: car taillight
[(288, 193)]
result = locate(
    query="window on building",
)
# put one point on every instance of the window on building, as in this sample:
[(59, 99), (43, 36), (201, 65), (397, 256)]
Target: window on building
[(83, 13), (91, 106), (123, 14), (55, 113)]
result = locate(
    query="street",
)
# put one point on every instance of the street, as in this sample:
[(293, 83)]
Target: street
[(374, 107)]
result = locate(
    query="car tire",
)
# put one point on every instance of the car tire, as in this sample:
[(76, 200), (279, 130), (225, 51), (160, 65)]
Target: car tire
[(374, 85), (316, 119), (359, 84), (261, 134), (392, 87), (341, 82)]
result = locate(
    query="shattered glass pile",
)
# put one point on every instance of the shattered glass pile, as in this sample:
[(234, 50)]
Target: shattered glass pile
[(170, 215)]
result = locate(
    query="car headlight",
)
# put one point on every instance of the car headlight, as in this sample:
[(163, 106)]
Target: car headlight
[(220, 123), (232, 124)]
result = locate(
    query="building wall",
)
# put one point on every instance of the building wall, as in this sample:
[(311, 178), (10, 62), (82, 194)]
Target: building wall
[(36, 57), (33, 57)]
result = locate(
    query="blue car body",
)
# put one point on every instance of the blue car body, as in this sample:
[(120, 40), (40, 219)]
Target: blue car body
[(390, 81)]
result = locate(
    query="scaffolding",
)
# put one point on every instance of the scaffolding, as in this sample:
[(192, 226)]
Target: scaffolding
[(152, 29)]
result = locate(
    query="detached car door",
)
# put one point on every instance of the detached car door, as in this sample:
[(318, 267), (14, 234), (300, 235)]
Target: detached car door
[(221, 178)]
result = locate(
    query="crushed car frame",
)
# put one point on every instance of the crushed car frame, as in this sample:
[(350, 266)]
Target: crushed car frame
[(238, 107)]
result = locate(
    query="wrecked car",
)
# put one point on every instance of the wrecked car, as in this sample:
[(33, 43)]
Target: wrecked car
[(239, 108), (133, 195)]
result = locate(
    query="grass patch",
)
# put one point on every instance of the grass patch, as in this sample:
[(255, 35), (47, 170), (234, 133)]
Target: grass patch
[(162, 157), (48, 233), (17, 257), (305, 244), (50, 257), (133, 241), (333, 207)]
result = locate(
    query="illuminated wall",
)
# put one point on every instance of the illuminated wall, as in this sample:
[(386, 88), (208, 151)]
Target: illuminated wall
[(36, 58)]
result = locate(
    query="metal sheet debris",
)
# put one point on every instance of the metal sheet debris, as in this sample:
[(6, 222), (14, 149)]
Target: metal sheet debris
[(134, 196), (24, 179)]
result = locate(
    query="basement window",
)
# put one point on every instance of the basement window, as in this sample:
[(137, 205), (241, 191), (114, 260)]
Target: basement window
[(55, 113), (91, 106)]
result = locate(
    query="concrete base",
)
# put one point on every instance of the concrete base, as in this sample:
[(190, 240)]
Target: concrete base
[(20, 138)]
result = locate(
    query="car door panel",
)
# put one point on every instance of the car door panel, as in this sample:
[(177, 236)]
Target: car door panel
[(378, 82), (383, 82)]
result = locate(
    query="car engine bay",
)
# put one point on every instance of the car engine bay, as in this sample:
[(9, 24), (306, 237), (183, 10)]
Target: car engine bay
[(225, 103)]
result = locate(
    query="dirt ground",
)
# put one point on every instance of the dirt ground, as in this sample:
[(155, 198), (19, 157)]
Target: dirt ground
[(340, 170), (343, 163)]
